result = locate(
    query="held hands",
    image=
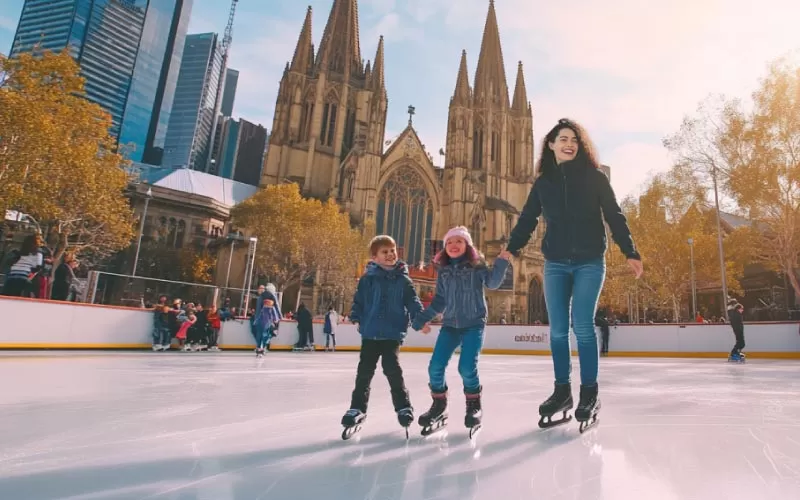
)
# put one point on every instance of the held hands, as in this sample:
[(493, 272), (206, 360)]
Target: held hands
[(505, 255), (426, 329), (636, 266)]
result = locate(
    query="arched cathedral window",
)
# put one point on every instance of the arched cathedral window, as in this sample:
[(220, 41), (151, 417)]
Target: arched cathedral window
[(405, 212)]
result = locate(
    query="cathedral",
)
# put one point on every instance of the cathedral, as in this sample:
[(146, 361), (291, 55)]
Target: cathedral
[(328, 136)]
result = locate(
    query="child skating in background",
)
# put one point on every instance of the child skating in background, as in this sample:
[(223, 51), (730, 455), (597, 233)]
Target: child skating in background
[(462, 274), (736, 316), (187, 323), (331, 320), (162, 337), (383, 302), (265, 322), (214, 324)]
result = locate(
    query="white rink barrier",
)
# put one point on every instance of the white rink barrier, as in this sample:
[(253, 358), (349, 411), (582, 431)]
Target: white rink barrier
[(35, 324)]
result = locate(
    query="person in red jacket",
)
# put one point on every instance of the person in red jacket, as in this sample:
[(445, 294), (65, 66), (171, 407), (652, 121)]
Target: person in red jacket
[(214, 324)]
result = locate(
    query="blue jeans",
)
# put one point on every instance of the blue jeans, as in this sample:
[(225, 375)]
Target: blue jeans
[(263, 337), (471, 342), (577, 284), (162, 336)]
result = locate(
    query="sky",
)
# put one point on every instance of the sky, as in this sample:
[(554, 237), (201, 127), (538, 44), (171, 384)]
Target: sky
[(628, 70)]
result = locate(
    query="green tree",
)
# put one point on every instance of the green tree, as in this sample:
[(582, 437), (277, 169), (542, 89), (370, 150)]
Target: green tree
[(57, 160), (754, 152)]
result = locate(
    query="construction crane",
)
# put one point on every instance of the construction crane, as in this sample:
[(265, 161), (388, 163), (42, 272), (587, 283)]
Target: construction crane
[(224, 49)]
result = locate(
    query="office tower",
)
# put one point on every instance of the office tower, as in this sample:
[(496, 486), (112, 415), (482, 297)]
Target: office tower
[(231, 82), (190, 125), (243, 149), (125, 52)]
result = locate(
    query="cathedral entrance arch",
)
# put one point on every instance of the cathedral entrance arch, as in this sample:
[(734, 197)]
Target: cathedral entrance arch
[(537, 310), (405, 212)]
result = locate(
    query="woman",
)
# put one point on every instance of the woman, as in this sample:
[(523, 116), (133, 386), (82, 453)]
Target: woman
[(64, 282), (24, 264), (574, 195)]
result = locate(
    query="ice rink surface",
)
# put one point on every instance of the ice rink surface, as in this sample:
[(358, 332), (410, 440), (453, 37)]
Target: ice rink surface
[(225, 426)]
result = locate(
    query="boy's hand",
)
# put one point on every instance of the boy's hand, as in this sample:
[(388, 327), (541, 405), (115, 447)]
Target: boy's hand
[(426, 329), (505, 255)]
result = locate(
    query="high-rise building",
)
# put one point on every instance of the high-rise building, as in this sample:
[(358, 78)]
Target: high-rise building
[(125, 52), (243, 149), (188, 141), (229, 95)]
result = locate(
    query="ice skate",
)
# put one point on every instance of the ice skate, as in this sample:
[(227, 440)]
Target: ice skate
[(405, 417), (474, 415), (738, 357), (436, 417), (559, 402), (588, 407), (352, 421)]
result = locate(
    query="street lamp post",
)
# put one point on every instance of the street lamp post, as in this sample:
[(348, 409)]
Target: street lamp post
[(721, 249), (248, 276), (694, 284), (148, 195)]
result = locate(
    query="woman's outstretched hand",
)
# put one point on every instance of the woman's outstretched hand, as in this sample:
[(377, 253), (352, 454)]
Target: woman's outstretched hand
[(506, 255), (636, 266)]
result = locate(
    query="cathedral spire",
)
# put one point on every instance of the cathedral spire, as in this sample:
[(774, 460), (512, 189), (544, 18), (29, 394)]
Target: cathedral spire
[(490, 75), (520, 102), (461, 94), (304, 52), (377, 69), (339, 50)]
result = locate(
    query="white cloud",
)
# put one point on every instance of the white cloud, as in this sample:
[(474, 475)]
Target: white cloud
[(6, 23)]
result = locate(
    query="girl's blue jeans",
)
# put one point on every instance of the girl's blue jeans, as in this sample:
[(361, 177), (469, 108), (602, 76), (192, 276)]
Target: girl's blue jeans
[(571, 292), (471, 342), (263, 337)]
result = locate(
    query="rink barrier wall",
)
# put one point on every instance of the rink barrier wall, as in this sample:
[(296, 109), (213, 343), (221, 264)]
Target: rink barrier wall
[(38, 324)]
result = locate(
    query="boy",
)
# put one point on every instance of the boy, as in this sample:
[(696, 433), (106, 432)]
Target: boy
[(736, 316), (383, 301)]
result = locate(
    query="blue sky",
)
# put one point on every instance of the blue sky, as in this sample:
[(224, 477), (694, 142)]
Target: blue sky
[(629, 70)]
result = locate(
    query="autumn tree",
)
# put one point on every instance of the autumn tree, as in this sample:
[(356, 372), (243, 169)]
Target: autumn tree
[(57, 160), (671, 210), (754, 151), (297, 236)]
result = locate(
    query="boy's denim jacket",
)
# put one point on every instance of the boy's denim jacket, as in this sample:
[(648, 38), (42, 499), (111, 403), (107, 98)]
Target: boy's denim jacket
[(383, 302), (459, 294)]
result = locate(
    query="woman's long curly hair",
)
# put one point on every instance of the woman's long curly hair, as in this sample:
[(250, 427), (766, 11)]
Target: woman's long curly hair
[(586, 150)]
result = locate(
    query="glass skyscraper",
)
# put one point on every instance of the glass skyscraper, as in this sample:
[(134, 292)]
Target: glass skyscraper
[(229, 95), (125, 51), (192, 119)]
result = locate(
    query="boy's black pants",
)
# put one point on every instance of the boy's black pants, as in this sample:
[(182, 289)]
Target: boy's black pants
[(738, 332), (387, 351)]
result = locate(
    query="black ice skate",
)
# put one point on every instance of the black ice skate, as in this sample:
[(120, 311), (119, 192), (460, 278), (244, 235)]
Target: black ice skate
[(406, 417), (559, 402), (588, 407), (435, 418), (352, 421), (472, 419)]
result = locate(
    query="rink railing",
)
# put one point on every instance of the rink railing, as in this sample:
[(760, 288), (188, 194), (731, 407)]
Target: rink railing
[(36, 324)]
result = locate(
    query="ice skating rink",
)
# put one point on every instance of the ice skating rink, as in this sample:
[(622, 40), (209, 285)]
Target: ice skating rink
[(226, 426)]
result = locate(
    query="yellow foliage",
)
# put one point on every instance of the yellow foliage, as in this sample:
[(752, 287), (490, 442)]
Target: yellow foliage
[(297, 236), (57, 160)]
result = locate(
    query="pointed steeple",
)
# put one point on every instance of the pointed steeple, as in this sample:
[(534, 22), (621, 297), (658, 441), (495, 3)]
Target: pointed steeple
[(339, 50), (378, 76), (461, 94), (520, 102), (304, 52), (490, 76)]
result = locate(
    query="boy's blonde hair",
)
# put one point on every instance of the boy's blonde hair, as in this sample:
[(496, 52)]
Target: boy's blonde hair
[(380, 241)]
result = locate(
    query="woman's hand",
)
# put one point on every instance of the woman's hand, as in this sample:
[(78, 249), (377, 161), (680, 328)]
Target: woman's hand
[(505, 255), (426, 329), (636, 266)]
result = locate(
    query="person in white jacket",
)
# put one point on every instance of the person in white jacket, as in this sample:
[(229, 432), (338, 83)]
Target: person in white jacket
[(331, 320)]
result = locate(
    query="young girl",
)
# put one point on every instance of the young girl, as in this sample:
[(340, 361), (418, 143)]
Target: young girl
[(575, 196), (214, 323), (264, 325), (459, 295), (181, 335)]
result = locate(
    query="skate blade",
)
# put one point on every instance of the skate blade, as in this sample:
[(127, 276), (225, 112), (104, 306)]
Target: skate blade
[(430, 430), (546, 422), (474, 431), (586, 425), (349, 432)]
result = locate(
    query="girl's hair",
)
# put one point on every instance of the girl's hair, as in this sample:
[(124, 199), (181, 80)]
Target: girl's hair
[(474, 257), (30, 245), (586, 150)]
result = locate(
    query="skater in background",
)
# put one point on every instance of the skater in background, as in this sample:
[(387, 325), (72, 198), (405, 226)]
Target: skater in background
[(305, 328), (384, 300), (186, 323), (22, 266), (736, 316), (264, 325), (574, 195), (601, 320), (214, 326), (331, 320), (162, 337), (462, 275)]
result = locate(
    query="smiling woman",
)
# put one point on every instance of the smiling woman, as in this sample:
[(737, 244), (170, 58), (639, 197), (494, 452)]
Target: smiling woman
[(574, 195)]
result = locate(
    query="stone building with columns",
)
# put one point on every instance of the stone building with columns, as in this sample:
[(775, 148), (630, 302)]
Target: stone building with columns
[(328, 137)]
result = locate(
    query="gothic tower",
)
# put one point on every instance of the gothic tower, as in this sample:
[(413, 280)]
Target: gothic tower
[(489, 164), (328, 105)]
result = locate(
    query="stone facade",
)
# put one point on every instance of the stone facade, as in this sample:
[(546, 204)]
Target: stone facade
[(328, 136)]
